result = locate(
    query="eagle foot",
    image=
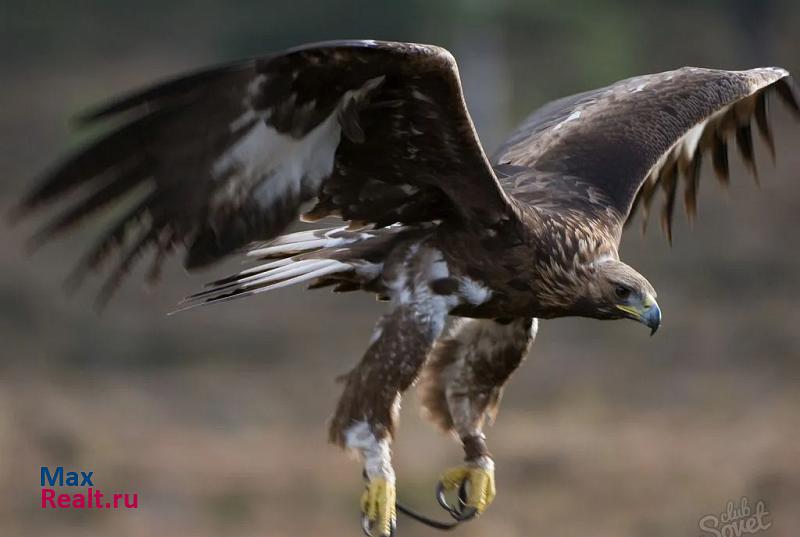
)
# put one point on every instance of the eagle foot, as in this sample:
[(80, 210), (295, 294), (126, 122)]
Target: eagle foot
[(476, 490), (378, 512)]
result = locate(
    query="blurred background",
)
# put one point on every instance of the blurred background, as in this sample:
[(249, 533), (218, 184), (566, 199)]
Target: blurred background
[(217, 417)]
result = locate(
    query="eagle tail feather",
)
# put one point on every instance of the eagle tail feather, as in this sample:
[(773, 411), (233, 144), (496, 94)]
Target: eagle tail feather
[(335, 256), (274, 278), (305, 242), (305, 256)]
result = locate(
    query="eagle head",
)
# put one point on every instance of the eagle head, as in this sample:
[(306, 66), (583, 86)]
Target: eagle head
[(617, 291)]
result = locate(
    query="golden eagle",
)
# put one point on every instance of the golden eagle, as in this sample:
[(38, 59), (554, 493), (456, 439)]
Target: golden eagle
[(376, 133)]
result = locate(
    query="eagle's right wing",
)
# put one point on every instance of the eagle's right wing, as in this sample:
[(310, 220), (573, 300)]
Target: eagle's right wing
[(376, 132), (606, 150)]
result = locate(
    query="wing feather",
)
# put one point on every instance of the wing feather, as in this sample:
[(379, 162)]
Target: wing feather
[(646, 132), (376, 132)]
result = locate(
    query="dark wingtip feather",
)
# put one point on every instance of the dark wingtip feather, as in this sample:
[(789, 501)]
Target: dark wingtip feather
[(634, 209), (744, 141), (100, 251), (111, 285), (94, 162), (88, 206), (788, 92), (165, 246), (23, 208), (666, 227), (173, 88), (719, 159), (646, 194), (692, 186), (763, 124), (670, 185), (645, 216)]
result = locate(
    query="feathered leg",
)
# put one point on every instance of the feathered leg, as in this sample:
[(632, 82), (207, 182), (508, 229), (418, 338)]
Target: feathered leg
[(366, 415), (461, 388)]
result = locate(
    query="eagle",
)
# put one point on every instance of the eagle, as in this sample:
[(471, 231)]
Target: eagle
[(468, 250)]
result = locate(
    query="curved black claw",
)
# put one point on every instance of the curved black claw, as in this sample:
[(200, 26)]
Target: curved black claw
[(435, 524), (461, 512), (367, 529)]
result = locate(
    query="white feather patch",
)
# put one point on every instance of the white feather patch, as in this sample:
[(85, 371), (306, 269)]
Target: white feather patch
[(306, 241), (474, 292), (572, 117), (280, 164), (282, 275), (377, 454)]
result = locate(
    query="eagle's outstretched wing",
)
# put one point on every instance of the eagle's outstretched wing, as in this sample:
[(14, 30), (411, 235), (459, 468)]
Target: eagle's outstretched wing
[(618, 144), (377, 132)]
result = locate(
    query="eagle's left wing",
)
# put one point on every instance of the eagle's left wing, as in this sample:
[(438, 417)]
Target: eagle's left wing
[(605, 151), (377, 132)]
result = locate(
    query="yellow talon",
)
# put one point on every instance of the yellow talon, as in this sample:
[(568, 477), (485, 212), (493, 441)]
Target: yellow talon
[(378, 505), (481, 484)]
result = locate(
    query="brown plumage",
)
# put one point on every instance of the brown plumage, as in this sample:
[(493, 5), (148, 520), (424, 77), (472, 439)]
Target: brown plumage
[(378, 134), (462, 383)]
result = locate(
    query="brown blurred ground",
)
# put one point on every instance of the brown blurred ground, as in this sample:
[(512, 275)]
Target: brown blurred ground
[(217, 417)]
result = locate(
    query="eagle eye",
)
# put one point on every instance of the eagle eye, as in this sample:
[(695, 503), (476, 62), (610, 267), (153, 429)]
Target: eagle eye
[(622, 292)]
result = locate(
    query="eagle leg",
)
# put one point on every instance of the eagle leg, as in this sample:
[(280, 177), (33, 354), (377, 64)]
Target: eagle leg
[(461, 387), (366, 414)]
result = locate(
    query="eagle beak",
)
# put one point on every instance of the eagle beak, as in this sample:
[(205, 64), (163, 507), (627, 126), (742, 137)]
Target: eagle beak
[(652, 318), (649, 314)]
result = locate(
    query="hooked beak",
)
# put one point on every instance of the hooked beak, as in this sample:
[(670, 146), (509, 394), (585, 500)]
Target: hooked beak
[(649, 314)]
